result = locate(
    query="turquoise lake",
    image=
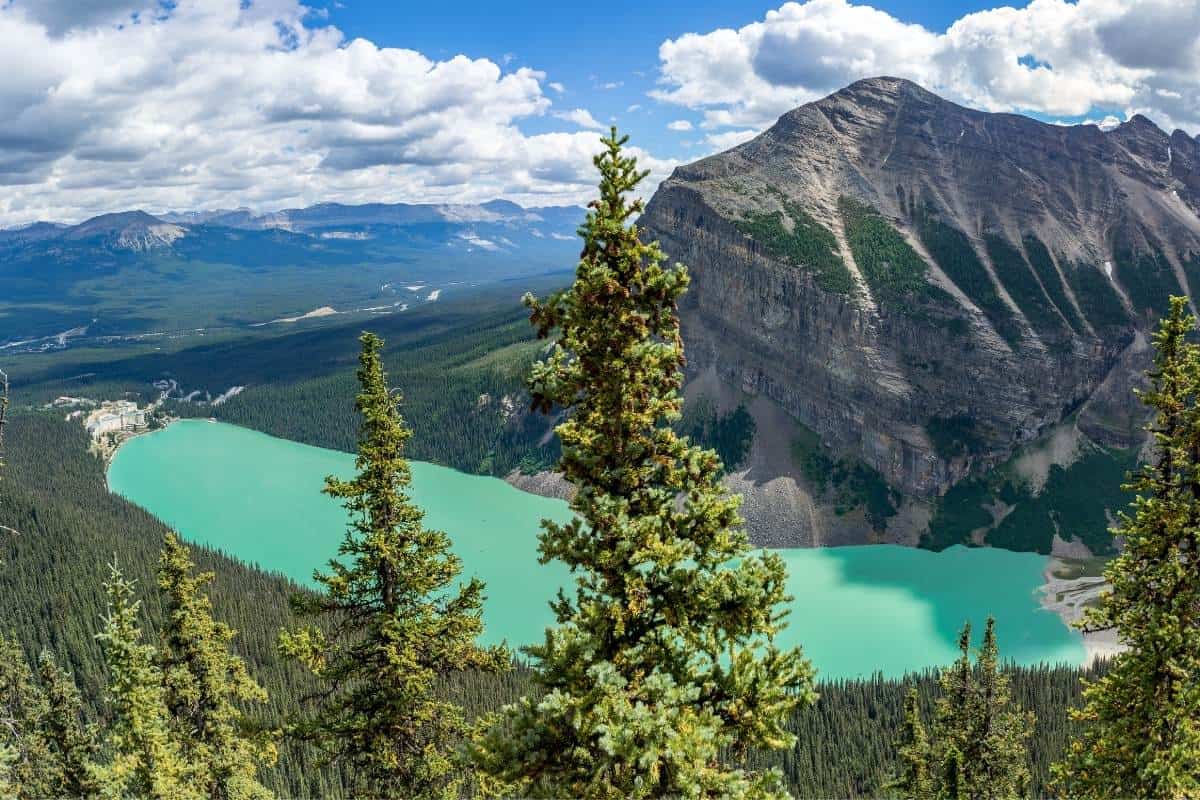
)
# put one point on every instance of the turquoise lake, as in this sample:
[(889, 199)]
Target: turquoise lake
[(857, 610)]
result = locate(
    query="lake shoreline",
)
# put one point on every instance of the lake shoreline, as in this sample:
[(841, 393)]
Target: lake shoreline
[(108, 454), (1069, 597), (1066, 597), (258, 498)]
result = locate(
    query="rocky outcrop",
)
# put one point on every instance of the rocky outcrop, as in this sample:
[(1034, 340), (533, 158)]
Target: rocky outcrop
[(544, 483), (926, 286)]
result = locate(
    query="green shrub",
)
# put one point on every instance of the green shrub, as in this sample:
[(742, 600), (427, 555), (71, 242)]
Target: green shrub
[(953, 436), (853, 483), (730, 434), (958, 512), (809, 455)]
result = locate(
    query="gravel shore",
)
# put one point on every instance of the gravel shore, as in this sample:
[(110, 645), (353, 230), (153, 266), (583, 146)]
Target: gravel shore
[(1069, 597)]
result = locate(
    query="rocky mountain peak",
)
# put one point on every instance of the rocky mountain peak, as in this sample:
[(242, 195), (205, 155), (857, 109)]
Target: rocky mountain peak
[(928, 287), (127, 230), (883, 90)]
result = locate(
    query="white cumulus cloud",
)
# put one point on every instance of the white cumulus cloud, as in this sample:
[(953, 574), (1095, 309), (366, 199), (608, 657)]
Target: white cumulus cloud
[(726, 139), (581, 117), (221, 103), (679, 125), (1052, 57)]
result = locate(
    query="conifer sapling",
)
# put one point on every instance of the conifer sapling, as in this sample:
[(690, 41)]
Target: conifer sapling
[(396, 622)]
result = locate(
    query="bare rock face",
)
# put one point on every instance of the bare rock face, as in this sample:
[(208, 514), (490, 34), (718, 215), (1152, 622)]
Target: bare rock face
[(926, 286)]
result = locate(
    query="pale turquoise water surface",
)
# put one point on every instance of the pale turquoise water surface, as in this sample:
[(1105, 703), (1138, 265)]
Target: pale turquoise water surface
[(856, 609)]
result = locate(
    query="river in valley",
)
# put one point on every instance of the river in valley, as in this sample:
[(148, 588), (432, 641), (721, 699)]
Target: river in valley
[(857, 610)]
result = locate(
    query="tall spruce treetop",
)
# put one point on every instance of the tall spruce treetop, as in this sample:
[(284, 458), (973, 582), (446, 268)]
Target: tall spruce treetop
[(663, 662), (145, 757), (1142, 736), (978, 747), (914, 781), (396, 623), (206, 685), (988, 737), (25, 757)]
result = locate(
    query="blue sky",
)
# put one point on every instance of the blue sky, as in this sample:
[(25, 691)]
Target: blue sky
[(573, 42), (200, 104)]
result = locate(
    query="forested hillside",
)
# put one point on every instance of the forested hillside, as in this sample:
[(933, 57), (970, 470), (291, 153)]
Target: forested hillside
[(460, 364), (461, 368), (52, 491), (71, 528)]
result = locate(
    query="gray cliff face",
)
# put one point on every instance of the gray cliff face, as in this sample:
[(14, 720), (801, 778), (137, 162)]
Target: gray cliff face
[(1037, 255)]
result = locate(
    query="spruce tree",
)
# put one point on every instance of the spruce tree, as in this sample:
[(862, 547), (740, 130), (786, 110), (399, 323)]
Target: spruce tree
[(206, 686), (978, 747), (954, 722), (25, 758), (914, 781), (979, 741), (395, 623), (145, 759), (73, 744), (662, 671), (998, 751), (1142, 718)]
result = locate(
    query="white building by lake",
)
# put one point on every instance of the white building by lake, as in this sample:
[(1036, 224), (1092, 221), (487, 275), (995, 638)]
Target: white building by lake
[(122, 415)]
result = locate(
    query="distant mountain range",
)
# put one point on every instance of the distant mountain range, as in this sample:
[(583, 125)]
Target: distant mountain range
[(137, 230), (133, 272), (324, 215)]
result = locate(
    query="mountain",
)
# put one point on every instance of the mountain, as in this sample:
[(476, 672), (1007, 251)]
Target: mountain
[(130, 230), (137, 230), (133, 273), (324, 216), (920, 301), (33, 232)]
